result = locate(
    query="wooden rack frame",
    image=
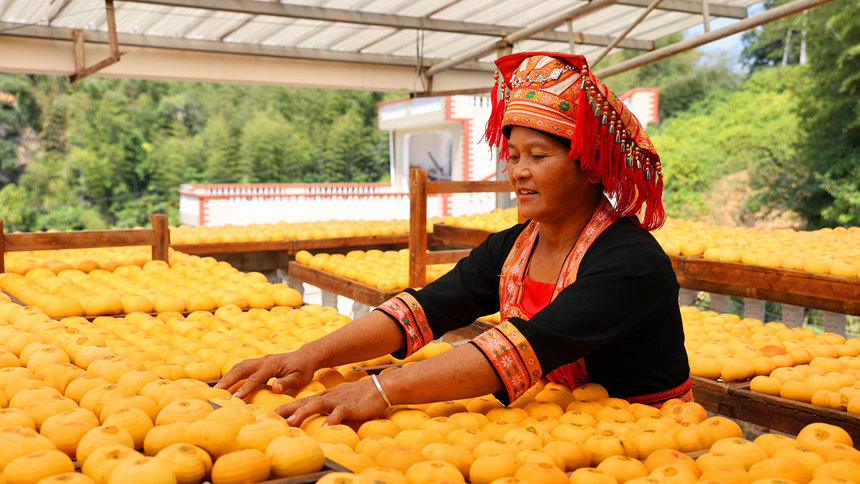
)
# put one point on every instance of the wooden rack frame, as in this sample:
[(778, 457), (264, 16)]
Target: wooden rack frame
[(806, 289), (291, 246), (419, 188), (158, 237), (736, 400)]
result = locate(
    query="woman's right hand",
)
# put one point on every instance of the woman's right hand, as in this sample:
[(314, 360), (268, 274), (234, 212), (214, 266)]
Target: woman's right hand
[(291, 370)]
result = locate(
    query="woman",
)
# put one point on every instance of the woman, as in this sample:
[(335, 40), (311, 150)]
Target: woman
[(585, 292)]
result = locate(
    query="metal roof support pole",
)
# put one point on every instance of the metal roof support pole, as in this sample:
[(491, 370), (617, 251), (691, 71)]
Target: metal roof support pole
[(80, 70), (503, 200), (706, 16), (627, 31), (693, 42), (521, 34)]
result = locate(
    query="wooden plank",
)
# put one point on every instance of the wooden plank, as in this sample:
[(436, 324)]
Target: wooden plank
[(446, 256), (230, 247), (417, 227), (459, 235), (161, 237), (786, 415), (78, 240), (497, 186), (343, 242), (328, 466), (291, 246), (710, 394), (339, 285), (2, 248), (831, 293)]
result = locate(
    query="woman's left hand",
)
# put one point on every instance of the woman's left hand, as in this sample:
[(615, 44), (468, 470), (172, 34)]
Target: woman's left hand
[(358, 400)]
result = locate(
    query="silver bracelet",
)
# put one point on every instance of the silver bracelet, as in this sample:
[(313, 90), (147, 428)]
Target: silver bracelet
[(381, 391)]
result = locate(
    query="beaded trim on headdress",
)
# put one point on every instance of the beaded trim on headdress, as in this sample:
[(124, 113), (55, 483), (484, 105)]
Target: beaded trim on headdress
[(606, 137)]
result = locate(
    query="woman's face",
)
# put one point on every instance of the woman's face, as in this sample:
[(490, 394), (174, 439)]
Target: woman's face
[(550, 185)]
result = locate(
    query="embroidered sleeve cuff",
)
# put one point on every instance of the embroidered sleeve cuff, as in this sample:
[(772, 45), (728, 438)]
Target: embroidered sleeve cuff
[(512, 356), (409, 314)]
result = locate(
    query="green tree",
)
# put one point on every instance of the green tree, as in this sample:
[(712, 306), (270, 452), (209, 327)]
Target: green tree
[(16, 208), (775, 43), (822, 182), (221, 152), (751, 129), (264, 147), (683, 79)]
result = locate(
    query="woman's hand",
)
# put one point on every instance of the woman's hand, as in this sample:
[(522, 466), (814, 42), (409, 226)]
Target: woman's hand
[(358, 400), (292, 370)]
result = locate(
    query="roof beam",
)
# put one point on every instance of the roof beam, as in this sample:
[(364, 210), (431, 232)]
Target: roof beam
[(54, 57), (326, 14), (693, 42), (687, 6), (525, 33), (140, 40)]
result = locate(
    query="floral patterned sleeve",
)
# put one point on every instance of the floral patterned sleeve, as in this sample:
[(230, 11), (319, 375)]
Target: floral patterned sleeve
[(407, 311), (512, 356)]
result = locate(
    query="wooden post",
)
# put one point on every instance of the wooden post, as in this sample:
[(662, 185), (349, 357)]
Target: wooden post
[(2, 248), (160, 237), (417, 227)]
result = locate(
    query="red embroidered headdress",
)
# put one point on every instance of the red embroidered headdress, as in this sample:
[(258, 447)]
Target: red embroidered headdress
[(557, 93)]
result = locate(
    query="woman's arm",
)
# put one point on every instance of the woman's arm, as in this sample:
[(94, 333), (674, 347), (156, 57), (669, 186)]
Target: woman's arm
[(462, 372), (367, 337)]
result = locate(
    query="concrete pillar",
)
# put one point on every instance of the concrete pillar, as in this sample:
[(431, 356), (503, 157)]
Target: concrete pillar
[(359, 309), (289, 281), (687, 297), (792, 316), (329, 299), (719, 303), (834, 322), (754, 308)]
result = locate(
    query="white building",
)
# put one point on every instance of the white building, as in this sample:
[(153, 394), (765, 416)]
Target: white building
[(440, 134)]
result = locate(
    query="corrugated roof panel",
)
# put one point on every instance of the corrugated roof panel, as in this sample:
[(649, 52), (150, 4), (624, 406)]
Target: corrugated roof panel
[(23, 11), (300, 32), (139, 18), (259, 28), (177, 21), (80, 14), (363, 38), (217, 25)]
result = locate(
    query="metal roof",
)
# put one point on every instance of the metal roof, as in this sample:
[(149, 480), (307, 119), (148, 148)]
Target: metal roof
[(394, 39)]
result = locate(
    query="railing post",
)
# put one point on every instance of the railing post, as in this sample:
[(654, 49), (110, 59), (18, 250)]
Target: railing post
[(792, 316), (161, 237), (754, 308), (417, 227), (834, 322)]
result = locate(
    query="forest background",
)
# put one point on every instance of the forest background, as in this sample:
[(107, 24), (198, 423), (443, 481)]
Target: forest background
[(776, 141)]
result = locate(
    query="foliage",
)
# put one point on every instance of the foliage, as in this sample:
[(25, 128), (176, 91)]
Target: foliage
[(822, 182), (752, 128), (775, 43), (683, 79), (113, 151)]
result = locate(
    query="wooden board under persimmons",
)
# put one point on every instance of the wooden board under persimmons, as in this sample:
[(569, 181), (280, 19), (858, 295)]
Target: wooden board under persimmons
[(342, 286), (736, 400), (821, 291)]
